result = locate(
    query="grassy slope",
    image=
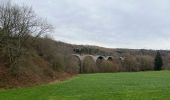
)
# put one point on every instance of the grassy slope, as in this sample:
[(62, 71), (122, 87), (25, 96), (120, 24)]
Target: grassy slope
[(117, 86)]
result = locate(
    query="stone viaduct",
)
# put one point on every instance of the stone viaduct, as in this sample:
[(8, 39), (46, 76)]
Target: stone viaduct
[(94, 57)]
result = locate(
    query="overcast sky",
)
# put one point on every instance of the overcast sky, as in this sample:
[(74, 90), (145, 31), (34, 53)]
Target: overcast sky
[(141, 24)]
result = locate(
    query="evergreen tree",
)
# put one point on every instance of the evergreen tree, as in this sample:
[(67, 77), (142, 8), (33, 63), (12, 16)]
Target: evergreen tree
[(158, 62)]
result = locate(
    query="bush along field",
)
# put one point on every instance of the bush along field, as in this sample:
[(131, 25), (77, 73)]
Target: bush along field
[(103, 86)]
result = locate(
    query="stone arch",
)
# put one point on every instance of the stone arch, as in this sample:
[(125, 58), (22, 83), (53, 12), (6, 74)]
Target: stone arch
[(80, 61), (99, 62), (101, 58), (109, 58), (92, 57), (88, 64)]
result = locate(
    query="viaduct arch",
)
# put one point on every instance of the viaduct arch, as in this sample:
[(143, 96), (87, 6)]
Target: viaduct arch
[(94, 57)]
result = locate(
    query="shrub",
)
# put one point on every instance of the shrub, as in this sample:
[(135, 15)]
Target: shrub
[(72, 65), (130, 63), (145, 62)]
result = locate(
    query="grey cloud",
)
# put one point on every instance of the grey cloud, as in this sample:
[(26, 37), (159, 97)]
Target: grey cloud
[(110, 23)]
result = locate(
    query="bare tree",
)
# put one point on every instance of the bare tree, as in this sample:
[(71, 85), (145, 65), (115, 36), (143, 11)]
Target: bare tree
[(17, 24)]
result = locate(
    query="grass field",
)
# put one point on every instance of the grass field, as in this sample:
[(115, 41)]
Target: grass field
[(107, 86)]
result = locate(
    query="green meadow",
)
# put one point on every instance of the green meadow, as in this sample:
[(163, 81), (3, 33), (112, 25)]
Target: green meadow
[(100, 86)]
